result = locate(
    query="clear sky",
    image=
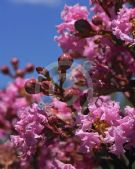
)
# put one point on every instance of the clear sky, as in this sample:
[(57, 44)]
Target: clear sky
[(27, 30)]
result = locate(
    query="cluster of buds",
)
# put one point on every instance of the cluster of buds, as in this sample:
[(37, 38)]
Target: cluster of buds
[(45, 83), (47, 86), (17, 72)]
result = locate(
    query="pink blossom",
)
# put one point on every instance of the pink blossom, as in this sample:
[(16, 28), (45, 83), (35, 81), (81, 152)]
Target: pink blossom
[(122, 25), (29, 128)]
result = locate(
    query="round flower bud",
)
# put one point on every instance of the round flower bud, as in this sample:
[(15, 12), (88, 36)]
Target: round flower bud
[(82, 26), (32, 86), (29, 67), (20, 73), (5, 70), (65, 61), (97, 20), (46, 87), (39, 69), (15, 61)]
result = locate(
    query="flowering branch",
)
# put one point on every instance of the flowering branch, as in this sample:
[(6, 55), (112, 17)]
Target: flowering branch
[(79, 126)]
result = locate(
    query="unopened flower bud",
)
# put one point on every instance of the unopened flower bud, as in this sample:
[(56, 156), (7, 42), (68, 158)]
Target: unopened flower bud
[(15, 61), (75, 54), (46, 87), (97, 20), (20, 73), (65, 61), (32, 86), (39, 69), (82, 26), (43, 71), (29, 67), (5, 70)]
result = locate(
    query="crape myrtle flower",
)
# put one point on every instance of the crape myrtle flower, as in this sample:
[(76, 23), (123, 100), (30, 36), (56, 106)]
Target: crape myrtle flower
[(122, 135), (52, 152), (66, 39), (80, 127), (12, 99), (123, 26), (101, 47), (71, 14), (29, 128), (109, 7), (107, 125), (59, 154), (60, 109), (60, 165)]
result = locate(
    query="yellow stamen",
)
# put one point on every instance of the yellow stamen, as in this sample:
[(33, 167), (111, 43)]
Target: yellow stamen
[(100, 126), (133, 22), (133, 28)]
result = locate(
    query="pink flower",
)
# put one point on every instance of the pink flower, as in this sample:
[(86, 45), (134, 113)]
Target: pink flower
[(12, 99), (121, 137), (74, 12), (66, 39), (89, 140), (60, 109), (106, 110), (59, 165), (123, 25), (106, 125), (29, 128)]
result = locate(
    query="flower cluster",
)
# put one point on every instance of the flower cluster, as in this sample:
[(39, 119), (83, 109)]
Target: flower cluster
[(106, 40), (80, 126), (124, 25), (107, 126), (13, 98), (29, 128)]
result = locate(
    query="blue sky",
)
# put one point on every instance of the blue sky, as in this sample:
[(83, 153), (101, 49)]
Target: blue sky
[(27, 30)]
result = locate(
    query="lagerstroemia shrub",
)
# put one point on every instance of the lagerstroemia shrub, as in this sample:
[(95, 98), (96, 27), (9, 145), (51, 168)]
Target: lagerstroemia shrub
[(81, 126)]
